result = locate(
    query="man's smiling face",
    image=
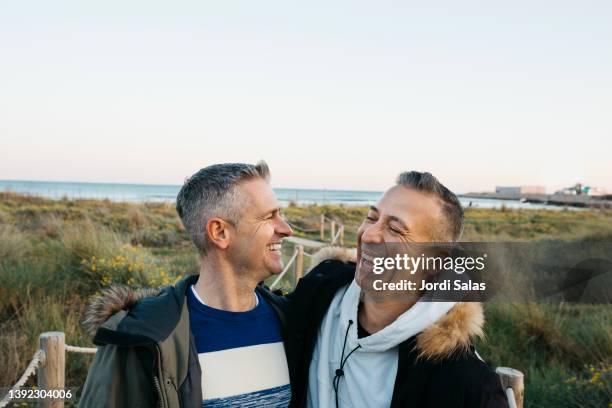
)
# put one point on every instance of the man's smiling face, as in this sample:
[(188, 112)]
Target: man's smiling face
[(402, 215), (256, 243)]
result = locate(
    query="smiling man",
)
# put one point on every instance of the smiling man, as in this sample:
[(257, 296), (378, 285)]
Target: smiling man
[(213, 339), (363, 348)]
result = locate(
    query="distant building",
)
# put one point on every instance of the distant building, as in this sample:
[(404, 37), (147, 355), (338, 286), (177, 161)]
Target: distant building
[(580, 189), (595, 191), (566, 191), (520, 190)]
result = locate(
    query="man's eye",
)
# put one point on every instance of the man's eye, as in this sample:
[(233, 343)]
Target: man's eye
[(395, 229), (371, 218)]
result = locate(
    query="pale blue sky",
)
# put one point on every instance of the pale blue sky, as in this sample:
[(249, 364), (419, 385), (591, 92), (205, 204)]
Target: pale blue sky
[(341, 94)]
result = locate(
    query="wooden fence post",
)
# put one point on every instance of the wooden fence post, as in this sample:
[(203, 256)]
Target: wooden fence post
[(333, 231), (52, 371), (342, 235), (322, 227), (299, 263), (514, 379)]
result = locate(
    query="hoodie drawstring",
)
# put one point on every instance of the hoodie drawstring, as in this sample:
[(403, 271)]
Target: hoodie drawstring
[(340, 371)]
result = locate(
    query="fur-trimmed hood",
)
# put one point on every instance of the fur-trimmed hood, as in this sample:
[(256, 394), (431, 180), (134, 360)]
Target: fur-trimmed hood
[(111, 301), (452, 333)]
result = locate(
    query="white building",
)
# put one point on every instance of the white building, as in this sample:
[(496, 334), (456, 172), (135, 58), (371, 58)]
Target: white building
[(520, 190)]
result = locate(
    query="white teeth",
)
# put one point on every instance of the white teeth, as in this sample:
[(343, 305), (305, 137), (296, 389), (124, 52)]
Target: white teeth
[(274, 247), (367, 257)]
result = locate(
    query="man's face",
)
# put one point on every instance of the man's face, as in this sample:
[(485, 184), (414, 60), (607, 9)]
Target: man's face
[(402, 215), (255, 248)]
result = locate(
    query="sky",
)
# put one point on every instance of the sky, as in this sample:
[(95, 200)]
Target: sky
[(337, 95)]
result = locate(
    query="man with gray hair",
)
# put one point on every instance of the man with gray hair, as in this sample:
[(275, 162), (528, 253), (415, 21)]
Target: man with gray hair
[(363, 348), (213, 339)]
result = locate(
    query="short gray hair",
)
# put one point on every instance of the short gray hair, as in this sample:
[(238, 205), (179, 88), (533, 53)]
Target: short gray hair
[(451, 206), (212, 192)]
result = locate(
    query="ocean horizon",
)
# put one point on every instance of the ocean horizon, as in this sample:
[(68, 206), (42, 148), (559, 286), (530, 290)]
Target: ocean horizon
[(140, 193)]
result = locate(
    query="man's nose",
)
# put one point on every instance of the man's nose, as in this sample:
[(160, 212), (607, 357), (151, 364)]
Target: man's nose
[(283, 228), (372, 235)]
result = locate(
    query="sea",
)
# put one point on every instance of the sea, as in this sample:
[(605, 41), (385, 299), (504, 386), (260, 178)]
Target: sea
[(139, 193)]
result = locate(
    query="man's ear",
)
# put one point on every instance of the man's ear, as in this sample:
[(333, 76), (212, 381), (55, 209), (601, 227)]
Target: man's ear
[(218, 232)]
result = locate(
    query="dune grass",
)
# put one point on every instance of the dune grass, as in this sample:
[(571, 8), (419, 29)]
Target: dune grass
[(55, 255)]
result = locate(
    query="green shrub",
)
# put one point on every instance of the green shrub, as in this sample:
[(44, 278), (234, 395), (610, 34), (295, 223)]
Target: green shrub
[(14, 244), (85, 239)]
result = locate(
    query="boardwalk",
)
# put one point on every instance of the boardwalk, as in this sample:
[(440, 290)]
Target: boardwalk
[(308, 243)]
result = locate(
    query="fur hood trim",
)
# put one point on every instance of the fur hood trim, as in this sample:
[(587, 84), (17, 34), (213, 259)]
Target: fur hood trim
[(111, 301), (452, 333)]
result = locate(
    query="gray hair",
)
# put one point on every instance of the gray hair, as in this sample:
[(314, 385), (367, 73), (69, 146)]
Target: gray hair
[(451, 207), (212, 192)]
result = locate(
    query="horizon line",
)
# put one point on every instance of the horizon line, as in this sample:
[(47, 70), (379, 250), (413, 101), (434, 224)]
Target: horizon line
[(173, 185)]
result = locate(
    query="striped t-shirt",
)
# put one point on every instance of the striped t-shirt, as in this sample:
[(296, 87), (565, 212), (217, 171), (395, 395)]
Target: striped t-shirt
[(241, 354)]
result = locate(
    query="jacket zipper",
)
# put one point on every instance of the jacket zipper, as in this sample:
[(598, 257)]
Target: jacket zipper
[(156, 382), (160, 396)]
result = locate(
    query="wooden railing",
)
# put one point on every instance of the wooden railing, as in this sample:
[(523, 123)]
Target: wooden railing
[(297, 258), (334, 237), (50, 361), (336, 231), (513, 382)]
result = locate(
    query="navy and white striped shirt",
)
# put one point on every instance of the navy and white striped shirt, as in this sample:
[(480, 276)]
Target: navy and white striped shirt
[(241, 354)]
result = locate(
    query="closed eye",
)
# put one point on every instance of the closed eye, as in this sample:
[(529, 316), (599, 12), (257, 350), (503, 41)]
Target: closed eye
[(372, 214), (270, 216)]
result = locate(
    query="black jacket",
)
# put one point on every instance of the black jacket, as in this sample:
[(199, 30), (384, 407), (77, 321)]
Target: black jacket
[(436, 368)]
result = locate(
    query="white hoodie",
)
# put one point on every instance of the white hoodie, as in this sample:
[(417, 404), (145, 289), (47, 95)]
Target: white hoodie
[(369, 372)]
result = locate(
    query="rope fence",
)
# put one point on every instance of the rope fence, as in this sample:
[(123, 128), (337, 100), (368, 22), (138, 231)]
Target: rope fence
[(50, 362), (336, 237), (30, 369), (323, 221), (339, 237), (83, 350), (305, 230), (296, 253)]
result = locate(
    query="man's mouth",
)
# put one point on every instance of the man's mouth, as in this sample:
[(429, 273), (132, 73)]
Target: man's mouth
[(274, 247), (367, 257)]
